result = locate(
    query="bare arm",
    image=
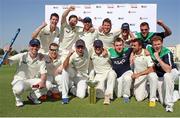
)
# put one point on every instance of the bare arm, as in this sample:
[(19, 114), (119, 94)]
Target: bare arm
[(145, 72), (167, 68), (65, 14), (66, 61), (131, 35), (165, 27), (42, 83), (36, 32)]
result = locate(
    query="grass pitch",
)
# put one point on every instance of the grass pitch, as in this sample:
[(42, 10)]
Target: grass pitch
[(76, 108)]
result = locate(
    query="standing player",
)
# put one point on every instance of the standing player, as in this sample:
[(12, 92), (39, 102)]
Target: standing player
[(106, 36), (31, 71), (120, 57), (103, 72), (88, 35), (69, 31), (76, 64), (126, 35), (166, 71), (145, 36), (46, 33), (143, 72)]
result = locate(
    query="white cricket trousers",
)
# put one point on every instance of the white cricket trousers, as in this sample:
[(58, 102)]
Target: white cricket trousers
[(166, 87), (123, 84), (106, 83), (20, 85), (60, 81), (140, 87), (76, 82)]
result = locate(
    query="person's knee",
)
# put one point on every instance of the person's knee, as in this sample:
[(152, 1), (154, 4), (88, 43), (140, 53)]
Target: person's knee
[(18, 88), (139, 97), (49, 85), (81, 89), (112, 74), (167, 78)]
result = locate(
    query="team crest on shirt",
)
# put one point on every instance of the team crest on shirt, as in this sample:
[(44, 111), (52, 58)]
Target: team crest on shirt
[(67, 31), (25, 62), (46, 33)]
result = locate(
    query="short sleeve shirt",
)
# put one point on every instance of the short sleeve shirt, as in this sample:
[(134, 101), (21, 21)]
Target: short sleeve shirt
[(46, 37), (68, 36), (101, 64), (27, 67), (120, 61), (142, 62)]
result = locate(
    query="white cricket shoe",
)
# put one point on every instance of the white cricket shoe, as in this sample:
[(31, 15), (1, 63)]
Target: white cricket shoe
[(169, 108), (19, 103)]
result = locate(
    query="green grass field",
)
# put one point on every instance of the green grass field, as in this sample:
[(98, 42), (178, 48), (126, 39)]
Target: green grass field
[(76, 108)]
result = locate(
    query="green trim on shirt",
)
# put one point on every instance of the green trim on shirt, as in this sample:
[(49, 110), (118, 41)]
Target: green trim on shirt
[(163, 52), (148, 37), (115, 54)]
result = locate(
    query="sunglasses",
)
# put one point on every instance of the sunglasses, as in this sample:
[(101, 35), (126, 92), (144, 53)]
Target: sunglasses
[(53, 50)]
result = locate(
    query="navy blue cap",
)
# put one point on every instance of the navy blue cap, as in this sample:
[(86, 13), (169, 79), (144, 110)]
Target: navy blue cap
[(125, 26), (80, 42), (87, 20), (98, 43), (34, 42)]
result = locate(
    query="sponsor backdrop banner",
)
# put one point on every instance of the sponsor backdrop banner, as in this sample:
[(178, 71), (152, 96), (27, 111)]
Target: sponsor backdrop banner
[(133, 14)]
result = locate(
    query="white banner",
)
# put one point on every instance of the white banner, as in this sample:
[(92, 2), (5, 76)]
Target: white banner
[(134, 14)]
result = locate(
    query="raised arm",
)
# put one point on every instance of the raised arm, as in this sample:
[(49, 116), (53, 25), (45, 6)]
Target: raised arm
[(65, 14), (66, 61), (165, 27), (36, 32)]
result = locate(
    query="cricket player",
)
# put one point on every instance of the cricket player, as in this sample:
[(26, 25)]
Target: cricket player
[(143, 72), (31, 71), (106, 36), (55, 80), (69, 31), (76, 64), (103, 72), (120, 58), (165, 69), (47, 33), (88, 35), (145, 36)]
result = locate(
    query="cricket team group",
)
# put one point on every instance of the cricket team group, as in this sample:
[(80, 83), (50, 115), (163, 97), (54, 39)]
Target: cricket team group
[(124, 63)]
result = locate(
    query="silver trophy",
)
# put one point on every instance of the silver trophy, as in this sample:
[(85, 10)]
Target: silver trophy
[(92, 91)]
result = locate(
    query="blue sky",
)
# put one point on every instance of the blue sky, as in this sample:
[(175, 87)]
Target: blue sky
[(29, 14)]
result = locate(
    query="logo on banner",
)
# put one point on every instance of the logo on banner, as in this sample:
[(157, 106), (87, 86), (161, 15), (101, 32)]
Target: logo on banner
[(120, 18), (109, 12), (87, 12), (120, 6), (143, 18), (98, 18), (87, 7), (98, 6), (133, 6), (132, 24), (55, 7), (110, 6), (143, 6), (131, 11)]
